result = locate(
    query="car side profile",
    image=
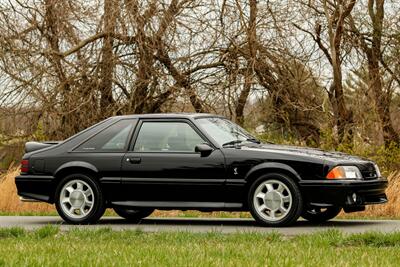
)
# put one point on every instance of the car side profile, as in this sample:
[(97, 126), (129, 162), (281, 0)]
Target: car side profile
[(138, 163)]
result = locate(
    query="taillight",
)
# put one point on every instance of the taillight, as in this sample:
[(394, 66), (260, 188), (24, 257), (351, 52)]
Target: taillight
[(25, 165)]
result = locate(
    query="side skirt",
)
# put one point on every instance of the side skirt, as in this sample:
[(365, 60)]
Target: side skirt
[(179, 205)]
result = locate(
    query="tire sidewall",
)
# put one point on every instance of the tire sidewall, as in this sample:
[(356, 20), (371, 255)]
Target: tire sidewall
[(328, 214), (297, 201), (132, 214), (99, 203)]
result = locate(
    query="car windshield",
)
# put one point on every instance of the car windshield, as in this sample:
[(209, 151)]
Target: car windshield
[(225, 132)]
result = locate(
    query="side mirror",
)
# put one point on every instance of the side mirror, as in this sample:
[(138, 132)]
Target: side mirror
[(203, 149)]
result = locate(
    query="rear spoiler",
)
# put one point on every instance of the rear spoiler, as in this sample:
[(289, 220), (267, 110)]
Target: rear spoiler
[(33, 146)]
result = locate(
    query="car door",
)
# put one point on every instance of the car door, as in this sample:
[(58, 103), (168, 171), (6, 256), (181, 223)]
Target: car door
[(105, 151), (162, 164)]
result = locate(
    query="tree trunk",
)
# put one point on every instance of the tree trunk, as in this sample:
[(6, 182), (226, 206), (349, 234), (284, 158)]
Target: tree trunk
[(345, 116), (244, 94), (107, 63), (374, 53), (68, 122), (382, 102), (250, 58), (336, 22)]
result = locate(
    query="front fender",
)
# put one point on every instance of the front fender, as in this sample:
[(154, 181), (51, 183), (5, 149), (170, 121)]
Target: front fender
[(271, 166), (76, 164)]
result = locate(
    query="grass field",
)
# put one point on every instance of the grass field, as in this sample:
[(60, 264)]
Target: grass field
[(50, 247)]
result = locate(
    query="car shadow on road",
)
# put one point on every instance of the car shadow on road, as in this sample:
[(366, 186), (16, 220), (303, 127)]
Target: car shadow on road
[(230, 222)]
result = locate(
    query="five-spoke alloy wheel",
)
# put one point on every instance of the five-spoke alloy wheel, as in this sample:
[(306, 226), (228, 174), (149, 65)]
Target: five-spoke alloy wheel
[(275, 200), (79, 199)]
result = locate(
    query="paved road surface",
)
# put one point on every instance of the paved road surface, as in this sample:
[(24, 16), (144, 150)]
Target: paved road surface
[(205, 225)]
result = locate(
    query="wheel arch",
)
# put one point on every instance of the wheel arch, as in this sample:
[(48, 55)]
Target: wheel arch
[(71, 168), (269, 167)]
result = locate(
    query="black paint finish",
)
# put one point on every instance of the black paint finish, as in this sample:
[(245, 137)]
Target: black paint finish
[(215, 180)]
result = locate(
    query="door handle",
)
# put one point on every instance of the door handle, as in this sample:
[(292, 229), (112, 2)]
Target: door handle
[(134, 160)]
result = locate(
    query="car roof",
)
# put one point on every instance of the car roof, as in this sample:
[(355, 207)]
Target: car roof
[(170, 115)]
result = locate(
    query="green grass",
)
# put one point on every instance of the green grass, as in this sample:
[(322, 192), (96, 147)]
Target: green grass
[(104, 247)]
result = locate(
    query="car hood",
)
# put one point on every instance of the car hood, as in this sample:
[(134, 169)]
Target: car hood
[(304, 151)]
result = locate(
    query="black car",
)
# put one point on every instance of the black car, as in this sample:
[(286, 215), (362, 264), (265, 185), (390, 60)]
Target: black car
[(138, 163)]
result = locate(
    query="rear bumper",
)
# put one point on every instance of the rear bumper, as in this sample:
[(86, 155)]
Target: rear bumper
[(346, 194), (35, 187)]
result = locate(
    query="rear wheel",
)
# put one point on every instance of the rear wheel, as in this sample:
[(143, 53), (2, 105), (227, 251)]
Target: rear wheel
[(275, 200), (79, 199), (133, 214), (319, 215)]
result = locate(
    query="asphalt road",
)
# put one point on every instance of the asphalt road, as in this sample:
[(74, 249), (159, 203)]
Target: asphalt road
[(205, 225)]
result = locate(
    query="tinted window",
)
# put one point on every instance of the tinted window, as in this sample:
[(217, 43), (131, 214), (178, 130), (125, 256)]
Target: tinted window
[(167, 137), (113, 138)]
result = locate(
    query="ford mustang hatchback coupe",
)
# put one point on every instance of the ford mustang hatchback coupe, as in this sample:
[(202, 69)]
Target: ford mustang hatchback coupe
[(138, 163)]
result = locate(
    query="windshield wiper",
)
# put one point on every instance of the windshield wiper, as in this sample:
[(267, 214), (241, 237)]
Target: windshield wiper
[(234, 142), (253, 140), (231, 143)]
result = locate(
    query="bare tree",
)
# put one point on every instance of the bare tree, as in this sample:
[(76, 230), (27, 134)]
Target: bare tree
[(371, 45), (335, 15), (70, 64)]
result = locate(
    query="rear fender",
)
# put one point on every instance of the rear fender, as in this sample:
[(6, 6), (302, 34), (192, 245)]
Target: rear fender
[(75, 164)]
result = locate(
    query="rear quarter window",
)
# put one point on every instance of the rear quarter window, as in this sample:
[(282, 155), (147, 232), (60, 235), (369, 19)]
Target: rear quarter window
[(112, 139)]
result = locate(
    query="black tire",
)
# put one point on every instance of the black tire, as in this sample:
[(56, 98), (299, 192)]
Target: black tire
[(133, 214), (320, 215), (98, 207), (293, 211)]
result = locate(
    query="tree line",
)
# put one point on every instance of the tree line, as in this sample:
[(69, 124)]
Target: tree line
[(304, 67)]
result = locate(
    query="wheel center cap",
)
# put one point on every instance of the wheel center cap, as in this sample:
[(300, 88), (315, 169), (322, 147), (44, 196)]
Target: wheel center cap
[(77, 198), (273, 200)]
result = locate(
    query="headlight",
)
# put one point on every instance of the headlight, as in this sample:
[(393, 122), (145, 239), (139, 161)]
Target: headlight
[(344, 172), (378, 172)]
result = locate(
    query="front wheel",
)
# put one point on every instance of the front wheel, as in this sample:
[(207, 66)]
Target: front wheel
[(320, 215), (133, 215), (79, 199), (275, 200)]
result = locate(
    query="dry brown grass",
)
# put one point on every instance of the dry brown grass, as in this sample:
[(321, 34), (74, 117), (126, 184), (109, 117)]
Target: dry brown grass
[(9, 202)]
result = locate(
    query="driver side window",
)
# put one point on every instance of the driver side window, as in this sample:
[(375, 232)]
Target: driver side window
[(166, 137)]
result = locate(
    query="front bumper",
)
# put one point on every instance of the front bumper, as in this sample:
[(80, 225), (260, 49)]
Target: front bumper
[(348, 194)]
